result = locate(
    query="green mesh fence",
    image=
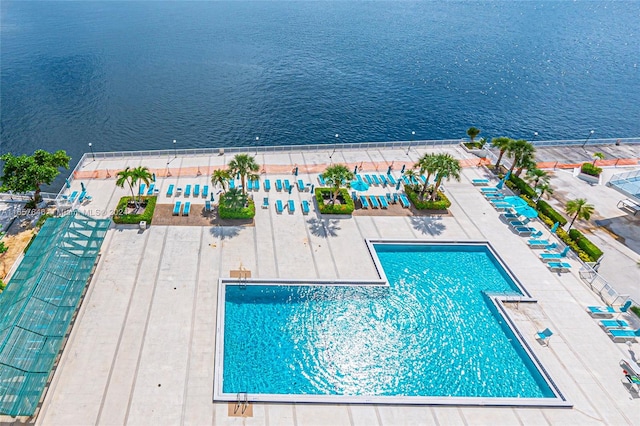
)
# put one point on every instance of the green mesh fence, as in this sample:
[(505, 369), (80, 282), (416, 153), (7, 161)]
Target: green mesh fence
[(38, 304)]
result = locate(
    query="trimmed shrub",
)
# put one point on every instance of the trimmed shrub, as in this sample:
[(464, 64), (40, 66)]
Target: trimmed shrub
[(146, 215), (585, 244), (546, 209), (442, 203), (521, 186), (635, 310), (590, 169), (324, 194), (247, 212)]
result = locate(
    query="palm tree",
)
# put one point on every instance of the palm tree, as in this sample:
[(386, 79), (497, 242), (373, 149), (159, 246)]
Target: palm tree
[(502, 143), (519, 150), (221, 177), (235, 199), (426, 163), (245, 165), (138, 174), (335, 176), (597, 156), (528, 161), (472, 132), (536, 177), (579, 209), (447, 167), (125, 176), (544, 188)]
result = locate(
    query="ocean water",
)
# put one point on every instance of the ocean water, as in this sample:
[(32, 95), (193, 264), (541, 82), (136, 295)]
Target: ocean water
[(138, 74), (431, 333)]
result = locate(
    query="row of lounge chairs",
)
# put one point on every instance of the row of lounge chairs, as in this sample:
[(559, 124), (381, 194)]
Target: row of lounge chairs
[(290, 206), (150, 191), (381, 201), (372, 179), (187, 190), (181, 209), (80, 197), (619, 330)]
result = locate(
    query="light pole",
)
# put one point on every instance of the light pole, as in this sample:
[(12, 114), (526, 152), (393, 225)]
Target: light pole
[(410, 143), (175, 150), (591, 132), (535, 135), (92, 154), (334, 148)]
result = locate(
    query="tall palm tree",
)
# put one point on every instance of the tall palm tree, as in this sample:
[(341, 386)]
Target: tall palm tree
[(544, 189), (335, 176), (426, 163), (235, 199), (518, 150), (472, 132), (527, 161), (536, 177), (140, 174), (502, 143), (597, 156), (579, 209), (221, 177), (125, 176), (447, 167), (245, 165)]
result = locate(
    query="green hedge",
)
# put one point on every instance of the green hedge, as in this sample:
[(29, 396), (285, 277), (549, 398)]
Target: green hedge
[(546, 209), (522, 186), (442, 203), (587, 246), (590, 169), (635, 310), (146, 215), (323, 194), (247, 212)]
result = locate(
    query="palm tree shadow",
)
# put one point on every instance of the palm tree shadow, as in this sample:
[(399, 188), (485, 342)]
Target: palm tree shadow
[(323, 227), (428, 225), (225, 232)]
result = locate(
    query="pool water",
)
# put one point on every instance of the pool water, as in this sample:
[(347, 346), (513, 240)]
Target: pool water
[(432, 332)]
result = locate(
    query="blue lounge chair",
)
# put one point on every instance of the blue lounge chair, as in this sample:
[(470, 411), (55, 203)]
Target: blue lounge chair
[(559, 266), (536, 234), (364, 202), (287, 185), (205, 191), (383, 180), (406, 180), (480, 182), (383, 202), (414, 180), (176, 208), (623, 334), (267, 185), (256, 185), (596, 311), (544, 336), (187, 191), (524, 230), (278, 185), (517, 223), (232, 184), (151, 189), (376, 181), (170, 190), (142, 188), (404, 201), (207, 206), (490, 189), (249, 185), (423, 179), (265, 203), (300, 185), (367, 179), (494, 195), (510, 216), (291, 206), (187, 209), (545, 257), (502, 206), (305, 207), (196, 191), (279, 208), (82, 196), (533, 243), (392, 180), (613, 323), (374, 201), (321, 180)]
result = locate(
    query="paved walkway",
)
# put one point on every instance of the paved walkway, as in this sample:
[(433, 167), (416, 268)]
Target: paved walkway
[(142, 348)]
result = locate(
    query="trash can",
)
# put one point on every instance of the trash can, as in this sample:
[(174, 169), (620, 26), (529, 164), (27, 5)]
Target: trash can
[(143, 224)]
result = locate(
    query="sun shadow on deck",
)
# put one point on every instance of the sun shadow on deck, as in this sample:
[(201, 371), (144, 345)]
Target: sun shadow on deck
[(323, 227), (428, 225), (225, 232)]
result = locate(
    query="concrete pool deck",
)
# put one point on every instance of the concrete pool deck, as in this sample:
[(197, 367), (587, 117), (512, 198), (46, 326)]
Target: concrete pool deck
[(142, 348)]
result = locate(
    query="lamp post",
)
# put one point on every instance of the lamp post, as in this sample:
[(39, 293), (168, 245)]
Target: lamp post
[(591, 132), (334, 149), (410, 143), (175, 150), (92, 154)]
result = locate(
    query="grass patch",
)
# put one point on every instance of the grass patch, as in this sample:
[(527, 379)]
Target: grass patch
[(121, 216), (343, 205), (226, 212), (441, 202), (590, 169)]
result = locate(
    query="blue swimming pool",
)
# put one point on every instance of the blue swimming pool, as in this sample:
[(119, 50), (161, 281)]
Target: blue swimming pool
[(432, 332)]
